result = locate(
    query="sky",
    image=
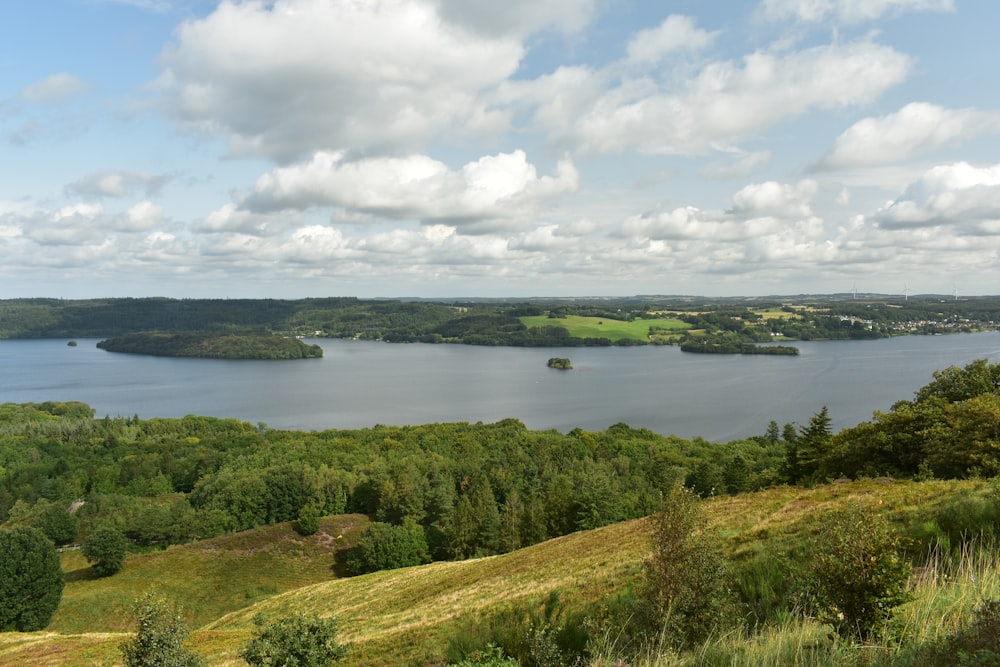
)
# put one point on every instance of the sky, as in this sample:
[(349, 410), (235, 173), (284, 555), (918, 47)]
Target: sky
[(462, 148)]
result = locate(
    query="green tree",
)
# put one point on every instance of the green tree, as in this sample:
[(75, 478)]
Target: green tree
[(685, 581), (308, 522), (31, 579), (859, 571), (58, 525), (159, 639), (105, 549), (813, 447), (299, 640), (382, 546)]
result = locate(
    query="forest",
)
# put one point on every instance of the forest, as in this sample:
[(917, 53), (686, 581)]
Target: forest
[(206, 345), (730, 325)]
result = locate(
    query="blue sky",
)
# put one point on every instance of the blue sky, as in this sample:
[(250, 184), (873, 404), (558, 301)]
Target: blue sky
[(447, 148)]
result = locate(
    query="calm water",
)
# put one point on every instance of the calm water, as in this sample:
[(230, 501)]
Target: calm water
[(360, 384)]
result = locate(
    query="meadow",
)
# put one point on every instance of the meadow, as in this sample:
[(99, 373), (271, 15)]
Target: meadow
[(600, 327)]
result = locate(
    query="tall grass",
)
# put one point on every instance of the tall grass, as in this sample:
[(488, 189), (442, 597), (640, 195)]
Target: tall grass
[(947, 590)]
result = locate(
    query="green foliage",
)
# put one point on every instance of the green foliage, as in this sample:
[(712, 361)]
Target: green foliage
[(58, 524), (686, 580), (105, 550), (160, 636), (299, 640), (308, 522), (561, 363), (211, 346), (31, 579), (859, 572), (491, 656), (977, 644), (549, 634), (382, 546)]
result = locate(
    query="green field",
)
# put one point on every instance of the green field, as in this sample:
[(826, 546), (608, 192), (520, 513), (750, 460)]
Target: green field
[(597, 327)]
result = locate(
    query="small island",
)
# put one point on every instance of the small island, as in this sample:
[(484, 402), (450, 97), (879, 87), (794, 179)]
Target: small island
[(561, 363), (207, 345)]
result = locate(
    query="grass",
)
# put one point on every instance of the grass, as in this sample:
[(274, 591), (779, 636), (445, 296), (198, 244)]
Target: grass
[(597, 327), (405, 617)]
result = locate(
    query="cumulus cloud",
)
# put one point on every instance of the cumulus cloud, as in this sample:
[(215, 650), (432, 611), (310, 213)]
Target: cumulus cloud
[(676, 33), (54, 89), (494, 188), (290, 77), (917, 128), (116, 183), (959, 195), (725, 102), (848, 11)]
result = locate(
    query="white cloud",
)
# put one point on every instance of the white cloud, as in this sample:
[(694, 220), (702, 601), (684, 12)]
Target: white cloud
[(724, 103), (117, 183), (916, 128), (144, 216), (291, 77), (54, 89), (959, 195), (676, 33), (848, 11), (496, 187)]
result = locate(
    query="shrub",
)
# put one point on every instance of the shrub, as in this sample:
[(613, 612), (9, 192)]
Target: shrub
[(382, 546), (159, 639), (859, 572), (491, 656), (686, 589), (31, 579), (58, 525), (301, 640), (105, 549), (308, 522)]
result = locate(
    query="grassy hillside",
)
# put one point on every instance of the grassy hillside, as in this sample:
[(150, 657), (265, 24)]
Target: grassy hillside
[(405, 617)]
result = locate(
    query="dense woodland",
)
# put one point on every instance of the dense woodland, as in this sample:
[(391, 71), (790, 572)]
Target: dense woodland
[(205, 345), (498, 322)]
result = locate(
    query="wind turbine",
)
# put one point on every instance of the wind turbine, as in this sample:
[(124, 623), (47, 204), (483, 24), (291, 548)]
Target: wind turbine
[(906, 293)]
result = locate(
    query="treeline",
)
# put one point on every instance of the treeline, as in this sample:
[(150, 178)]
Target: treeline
[(487, 323), (474, 489), (211, 346)]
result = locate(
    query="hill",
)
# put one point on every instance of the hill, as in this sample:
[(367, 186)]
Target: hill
[(405, 617)]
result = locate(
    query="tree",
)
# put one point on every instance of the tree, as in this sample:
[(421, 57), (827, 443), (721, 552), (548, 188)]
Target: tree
[(299, 640), (813, 447), (31, 579), (58, 525), (105, 549), (382, 546), (685, 575), (859, 571), (159, 639)]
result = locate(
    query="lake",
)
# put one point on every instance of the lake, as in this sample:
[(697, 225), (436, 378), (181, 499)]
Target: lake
[(358, 384)]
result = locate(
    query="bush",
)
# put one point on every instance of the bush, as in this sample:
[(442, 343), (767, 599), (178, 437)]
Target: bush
[(859, 572), (308, 522), (105, 549), (58, 525), (382, 546), (159, 639), (299, 640), (686, 589), (491, 656), (31, 579)]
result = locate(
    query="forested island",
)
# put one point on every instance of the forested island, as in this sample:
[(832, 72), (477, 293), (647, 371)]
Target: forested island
[(696, 324), (205, 345)]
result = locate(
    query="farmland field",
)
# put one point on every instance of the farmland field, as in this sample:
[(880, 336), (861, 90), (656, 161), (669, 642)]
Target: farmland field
[(598, 327)]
